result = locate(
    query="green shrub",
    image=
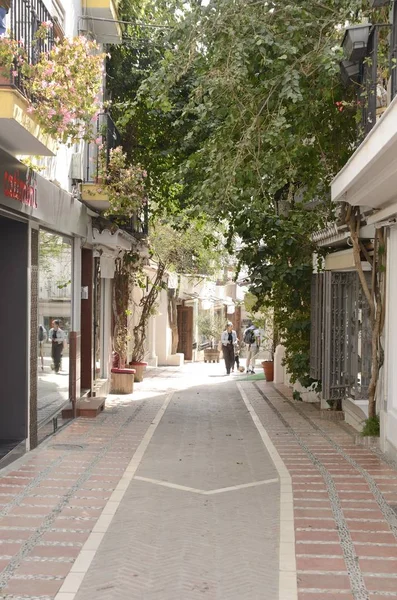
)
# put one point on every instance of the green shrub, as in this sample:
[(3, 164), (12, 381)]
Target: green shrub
[(371, 427)]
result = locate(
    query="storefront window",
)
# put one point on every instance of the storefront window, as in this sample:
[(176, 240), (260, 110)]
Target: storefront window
[(54, 318)]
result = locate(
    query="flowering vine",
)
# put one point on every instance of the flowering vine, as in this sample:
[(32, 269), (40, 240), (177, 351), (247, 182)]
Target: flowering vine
[(63, 85), (11, 54), (124, 183)]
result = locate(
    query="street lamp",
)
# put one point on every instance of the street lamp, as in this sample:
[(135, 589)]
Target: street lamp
[(350, 72), (355, 42)]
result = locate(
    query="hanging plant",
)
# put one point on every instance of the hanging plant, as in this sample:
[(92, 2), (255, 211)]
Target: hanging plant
[(124, 183), (64, 85)]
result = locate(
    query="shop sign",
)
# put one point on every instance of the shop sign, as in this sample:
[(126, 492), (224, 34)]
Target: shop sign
[(21, 186)]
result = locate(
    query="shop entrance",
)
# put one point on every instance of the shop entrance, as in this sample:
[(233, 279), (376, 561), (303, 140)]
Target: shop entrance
[(185, 331), (54, 323), (14, 338)]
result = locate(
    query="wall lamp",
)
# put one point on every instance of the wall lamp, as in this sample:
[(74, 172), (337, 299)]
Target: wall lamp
[(355, 42)]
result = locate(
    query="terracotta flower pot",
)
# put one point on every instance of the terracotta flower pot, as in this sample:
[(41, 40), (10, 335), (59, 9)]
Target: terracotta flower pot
[(139, 369), (268, 368)]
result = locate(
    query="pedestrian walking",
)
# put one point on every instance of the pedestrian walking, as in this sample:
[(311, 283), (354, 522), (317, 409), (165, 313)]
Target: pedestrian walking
[(228, 340), (252, 340), (237, 348), (57, 337), (42, 339)]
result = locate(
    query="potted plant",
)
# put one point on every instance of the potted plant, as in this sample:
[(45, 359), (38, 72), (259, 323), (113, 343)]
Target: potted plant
[(370, 434), (122, 377), (263, 317), (210, 328), (268, 344), (147, 308)]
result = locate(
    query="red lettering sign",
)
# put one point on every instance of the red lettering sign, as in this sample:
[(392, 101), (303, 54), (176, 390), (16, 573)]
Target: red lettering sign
[(24, 191)]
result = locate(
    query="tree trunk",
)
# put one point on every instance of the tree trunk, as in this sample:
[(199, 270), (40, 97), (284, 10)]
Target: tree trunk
[(139, 332), (374, 298), (173, 319)]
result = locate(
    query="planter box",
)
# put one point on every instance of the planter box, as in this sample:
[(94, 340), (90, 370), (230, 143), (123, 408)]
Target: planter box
[(332, 415), (139, 368), (211, 355), (175, 360), (368, 441), (122, 381)]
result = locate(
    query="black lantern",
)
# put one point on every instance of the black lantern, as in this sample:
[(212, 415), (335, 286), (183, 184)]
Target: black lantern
[(349, 72), (355, 42)]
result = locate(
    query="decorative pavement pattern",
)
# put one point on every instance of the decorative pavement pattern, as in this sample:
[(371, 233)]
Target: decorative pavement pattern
[(149, 501)]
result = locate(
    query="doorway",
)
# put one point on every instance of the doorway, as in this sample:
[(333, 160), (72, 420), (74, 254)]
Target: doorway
[(14, 338), (185, 331), (54, 313)]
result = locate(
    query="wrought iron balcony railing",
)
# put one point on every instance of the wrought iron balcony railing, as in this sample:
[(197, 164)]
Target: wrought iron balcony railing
[(138, 225), (23, 21), (107, 132), (378, 76)]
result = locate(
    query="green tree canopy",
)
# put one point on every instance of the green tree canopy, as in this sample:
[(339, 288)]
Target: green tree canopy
[(230, 105)]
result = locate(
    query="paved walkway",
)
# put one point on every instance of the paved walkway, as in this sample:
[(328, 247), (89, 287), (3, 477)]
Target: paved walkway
[(197, 486)]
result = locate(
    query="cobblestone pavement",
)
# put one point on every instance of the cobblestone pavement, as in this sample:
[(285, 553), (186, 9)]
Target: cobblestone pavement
[(179, 491)]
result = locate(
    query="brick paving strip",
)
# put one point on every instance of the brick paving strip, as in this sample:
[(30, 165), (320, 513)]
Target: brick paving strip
[(51, 500), (201, 516), (346, 529)]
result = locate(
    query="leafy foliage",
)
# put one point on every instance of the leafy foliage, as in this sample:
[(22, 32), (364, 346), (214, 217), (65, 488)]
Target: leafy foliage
[(64, 85), (210, 326), (232, 110), (124, 183), (371, 427), (188, 248)]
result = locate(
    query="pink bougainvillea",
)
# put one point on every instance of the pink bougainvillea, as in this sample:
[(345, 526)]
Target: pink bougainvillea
[(64, 85), (124, 183)]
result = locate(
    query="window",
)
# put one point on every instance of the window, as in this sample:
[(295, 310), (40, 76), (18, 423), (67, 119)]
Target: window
[(58, 13)]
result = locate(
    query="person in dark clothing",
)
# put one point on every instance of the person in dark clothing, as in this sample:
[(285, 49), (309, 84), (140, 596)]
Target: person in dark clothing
[(237, 354), (228, 339), (57, 337)]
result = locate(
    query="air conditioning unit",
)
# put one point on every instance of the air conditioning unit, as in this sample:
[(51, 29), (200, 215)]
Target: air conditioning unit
[(76, 169)]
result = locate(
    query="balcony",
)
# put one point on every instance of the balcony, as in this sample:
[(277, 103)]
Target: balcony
[(19, 132), (369, 178), (93, 192), (101, 18)]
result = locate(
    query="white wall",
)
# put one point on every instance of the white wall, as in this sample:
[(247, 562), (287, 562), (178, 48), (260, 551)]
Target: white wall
[(163, 332), (391, 345)]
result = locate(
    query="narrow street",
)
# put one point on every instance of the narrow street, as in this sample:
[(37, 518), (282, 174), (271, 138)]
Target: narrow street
[(200, 485)]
